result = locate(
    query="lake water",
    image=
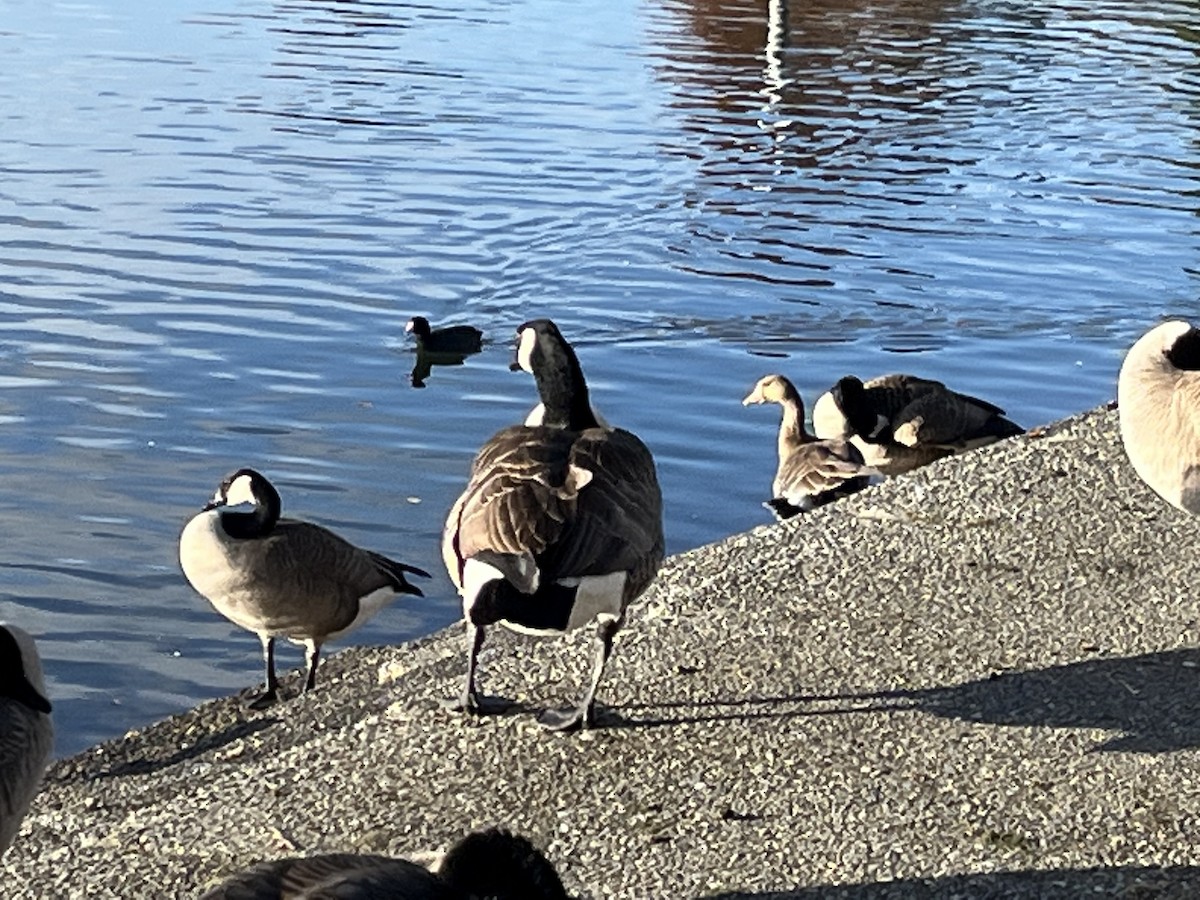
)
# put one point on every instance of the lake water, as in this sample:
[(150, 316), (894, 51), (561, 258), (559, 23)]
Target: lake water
[(216, 217)]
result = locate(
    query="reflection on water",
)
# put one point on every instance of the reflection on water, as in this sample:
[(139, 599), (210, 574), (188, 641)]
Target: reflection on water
[(215, 221)]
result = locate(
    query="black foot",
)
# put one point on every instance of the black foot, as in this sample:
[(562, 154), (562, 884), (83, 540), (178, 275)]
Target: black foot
[(477, 705), (569, 719), (265, 700)]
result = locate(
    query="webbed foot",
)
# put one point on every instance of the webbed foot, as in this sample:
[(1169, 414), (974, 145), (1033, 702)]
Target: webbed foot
[(477, 704), (568, 719), (262, 701)]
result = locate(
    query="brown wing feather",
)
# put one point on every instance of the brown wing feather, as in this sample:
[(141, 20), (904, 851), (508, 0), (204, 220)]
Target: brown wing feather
[(520, 499), (818, 467)]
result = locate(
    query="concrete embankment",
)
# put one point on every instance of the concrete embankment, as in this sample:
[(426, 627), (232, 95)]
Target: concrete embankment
[(978, 680)]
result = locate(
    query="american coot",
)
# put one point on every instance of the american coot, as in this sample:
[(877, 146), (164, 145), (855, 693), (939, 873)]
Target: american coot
[(283, 577), (1158, 398), (811, 472), (901, 422), (449, 339), (560, 524), (26, 733)]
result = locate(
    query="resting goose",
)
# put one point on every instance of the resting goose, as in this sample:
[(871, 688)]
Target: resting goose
[(811, 472), (560, 524), (902, 422), (1158, 398), (283, 577), (450, 339), (26, 733), (492, 863)]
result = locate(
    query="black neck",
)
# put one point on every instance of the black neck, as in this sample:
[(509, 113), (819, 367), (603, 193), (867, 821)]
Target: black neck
[(563, 390), (257, 522)]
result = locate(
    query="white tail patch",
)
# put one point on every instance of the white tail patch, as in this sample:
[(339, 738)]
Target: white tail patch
[(596, 596)]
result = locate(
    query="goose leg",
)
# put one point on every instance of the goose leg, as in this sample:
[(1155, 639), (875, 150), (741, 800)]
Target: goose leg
[(271, 694), (584, 715), (312, 655), (470, 700)]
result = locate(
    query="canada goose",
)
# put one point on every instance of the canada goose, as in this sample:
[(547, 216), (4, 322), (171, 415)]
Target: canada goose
[(26, 733), (560, 524), (902, 422), (492, 863), (811, 472), (1158, 398), (283, 577), (462, 339)]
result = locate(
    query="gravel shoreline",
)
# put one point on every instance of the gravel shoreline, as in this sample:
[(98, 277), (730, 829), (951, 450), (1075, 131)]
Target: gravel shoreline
[(978, 680)]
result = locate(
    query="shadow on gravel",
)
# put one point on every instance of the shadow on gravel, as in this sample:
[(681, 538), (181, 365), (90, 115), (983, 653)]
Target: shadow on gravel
[(1131, 883), (1152, 702)]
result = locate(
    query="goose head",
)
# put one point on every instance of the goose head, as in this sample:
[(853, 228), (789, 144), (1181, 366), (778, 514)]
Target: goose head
[(498, 864), (21, 670), (772, 389), (246, 486), (543, 352)]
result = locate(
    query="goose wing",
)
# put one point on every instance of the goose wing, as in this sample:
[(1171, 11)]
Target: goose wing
[(946, 417), (577, 503), (307, 580), (818, 467), (344, 876), (26, 739)]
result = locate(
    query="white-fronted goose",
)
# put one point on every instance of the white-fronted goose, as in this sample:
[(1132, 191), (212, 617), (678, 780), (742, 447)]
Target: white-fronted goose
[(283, 577), (560, 524), (1158, 399), (493, 864), (902, 422), (450, 339), (811, 472), (26, 733)]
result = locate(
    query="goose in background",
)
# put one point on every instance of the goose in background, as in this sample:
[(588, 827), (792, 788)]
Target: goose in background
[(450, 339), (283, 577), (560, 524), (811, 472), (1158, 402), (492, 863), (902, 422), (26, 733)]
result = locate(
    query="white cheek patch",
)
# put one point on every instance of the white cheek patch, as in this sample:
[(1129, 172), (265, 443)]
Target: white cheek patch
[(239, 492), (475, 575), (525, 349)]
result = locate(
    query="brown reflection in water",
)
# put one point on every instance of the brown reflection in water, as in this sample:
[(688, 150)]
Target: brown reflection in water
[(812, 78)]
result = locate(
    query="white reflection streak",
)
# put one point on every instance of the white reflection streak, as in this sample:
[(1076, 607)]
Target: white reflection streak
[(773, 79)]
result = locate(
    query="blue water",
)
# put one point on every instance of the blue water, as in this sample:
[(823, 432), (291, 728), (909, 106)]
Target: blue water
[(217, 216)]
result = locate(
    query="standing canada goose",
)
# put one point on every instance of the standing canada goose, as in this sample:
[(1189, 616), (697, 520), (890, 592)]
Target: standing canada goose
[(450, 339), (811, 472), (26, 733), (492, 863), (1158, 398), (283, 577), (902, 422), (560, 524)]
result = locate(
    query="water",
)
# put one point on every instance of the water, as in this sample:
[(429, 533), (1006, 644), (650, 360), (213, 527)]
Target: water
[(216, 217)]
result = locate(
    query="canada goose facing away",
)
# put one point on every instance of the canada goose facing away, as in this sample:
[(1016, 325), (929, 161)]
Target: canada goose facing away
[(902, 422), (450, 339), (492, 863), (26, 733), (560, 524), (283, 577), (811, 472), (1158, 402)]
